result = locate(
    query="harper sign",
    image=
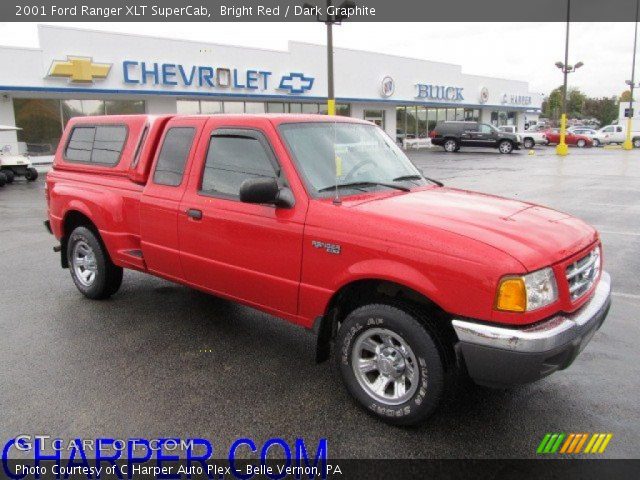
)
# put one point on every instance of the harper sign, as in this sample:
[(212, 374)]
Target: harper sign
[(439, 92), (515, 99)]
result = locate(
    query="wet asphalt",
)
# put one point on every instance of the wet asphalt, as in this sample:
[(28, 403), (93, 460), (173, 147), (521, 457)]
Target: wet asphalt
[(161, 360)]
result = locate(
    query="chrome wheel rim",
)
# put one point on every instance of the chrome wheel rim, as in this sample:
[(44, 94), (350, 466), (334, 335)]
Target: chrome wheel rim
[(450, 146), (385, 366), (85, 266), (581, 143), (505, 147), (636, 143)]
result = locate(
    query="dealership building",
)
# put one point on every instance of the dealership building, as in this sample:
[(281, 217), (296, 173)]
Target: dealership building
[(83, 72)]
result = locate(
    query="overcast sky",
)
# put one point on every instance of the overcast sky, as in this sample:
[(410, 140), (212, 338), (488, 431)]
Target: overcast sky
[(522, 51)]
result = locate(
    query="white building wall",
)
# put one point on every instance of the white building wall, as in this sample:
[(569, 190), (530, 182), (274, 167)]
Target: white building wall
[(157, 105), (7, 117), (357, 111)]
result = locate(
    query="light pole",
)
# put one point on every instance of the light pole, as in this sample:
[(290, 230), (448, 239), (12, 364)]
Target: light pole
[(627, 145), (562, 148), (329, 21)]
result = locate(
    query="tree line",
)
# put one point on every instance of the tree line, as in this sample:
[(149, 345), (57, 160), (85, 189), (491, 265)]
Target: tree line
[(580, 106)]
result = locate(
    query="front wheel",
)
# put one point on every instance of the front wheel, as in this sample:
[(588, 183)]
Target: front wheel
[(451, 145), (3, 179), (31, 174), (391, 363), (9, 175), (91, 268), (581, 143), (505, 146), (596, 142), (528, 143), (636, 142)]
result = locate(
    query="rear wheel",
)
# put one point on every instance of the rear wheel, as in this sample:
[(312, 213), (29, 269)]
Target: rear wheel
[(451, 145), (505, 146), (9, 175), (636, 142), (596, 142), (528, 143), (3, 179), (581, 143), (391, 363), (31, 174), (91, 268)]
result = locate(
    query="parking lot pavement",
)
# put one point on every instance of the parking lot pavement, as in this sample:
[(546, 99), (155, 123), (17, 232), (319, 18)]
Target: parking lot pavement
[(159, 359)]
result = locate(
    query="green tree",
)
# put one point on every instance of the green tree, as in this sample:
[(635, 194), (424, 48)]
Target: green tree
[(605, 110), (626, 96)]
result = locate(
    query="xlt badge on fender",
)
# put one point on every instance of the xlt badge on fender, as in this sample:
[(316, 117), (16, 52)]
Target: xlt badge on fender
[(329, 247)]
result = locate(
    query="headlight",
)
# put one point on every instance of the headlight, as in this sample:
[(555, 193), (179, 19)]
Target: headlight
[(528, 292)]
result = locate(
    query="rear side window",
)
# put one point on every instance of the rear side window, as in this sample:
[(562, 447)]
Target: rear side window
[(173, 156), (231, 160), (99, 144)]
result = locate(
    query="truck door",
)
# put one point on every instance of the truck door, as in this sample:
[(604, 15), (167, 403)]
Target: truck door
[(248, 252), (162, 194), (468, 137)]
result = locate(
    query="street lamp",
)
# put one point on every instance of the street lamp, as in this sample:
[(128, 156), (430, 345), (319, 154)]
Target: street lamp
[(627, 145), (329, 21), (562, 148)]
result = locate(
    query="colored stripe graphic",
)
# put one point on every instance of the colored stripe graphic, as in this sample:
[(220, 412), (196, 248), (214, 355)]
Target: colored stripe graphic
[(572, 443)]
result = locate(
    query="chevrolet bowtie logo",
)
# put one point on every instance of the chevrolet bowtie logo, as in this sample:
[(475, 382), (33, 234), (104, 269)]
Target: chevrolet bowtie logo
[(296, 83), (79, 69)]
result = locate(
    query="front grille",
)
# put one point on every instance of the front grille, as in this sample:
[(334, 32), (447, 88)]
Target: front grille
[(582, 273)]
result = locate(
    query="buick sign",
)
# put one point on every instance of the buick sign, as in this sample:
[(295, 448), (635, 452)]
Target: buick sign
[(387, 87), (439, 92)]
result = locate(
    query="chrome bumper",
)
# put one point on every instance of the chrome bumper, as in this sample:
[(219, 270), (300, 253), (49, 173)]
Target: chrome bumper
[(534, 351)]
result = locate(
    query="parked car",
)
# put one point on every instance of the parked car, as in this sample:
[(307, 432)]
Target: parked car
[(597, 138), (324, 221), (453, 135), (530, 138), (618, 134), (553, 137)]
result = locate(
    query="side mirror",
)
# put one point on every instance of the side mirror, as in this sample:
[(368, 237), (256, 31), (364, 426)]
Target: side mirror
[(265, 190)]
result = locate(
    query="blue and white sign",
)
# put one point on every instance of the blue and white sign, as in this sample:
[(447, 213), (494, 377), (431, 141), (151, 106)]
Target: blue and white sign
[(205, 76), (439, 92)]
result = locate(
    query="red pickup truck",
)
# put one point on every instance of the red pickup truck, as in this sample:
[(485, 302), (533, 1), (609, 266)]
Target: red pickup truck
[(323, 221)]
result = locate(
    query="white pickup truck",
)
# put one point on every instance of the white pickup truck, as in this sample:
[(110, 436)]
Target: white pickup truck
[(618, 134), (529, 137)]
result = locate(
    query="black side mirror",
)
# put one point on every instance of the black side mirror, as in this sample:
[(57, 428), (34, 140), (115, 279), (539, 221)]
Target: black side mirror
[(265, 190)]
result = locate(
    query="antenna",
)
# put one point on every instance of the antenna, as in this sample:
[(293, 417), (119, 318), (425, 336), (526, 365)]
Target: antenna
[(338, 163)]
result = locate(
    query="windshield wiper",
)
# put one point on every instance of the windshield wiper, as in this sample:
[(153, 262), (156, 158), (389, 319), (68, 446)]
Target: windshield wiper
[(365, 184), (417, 177)]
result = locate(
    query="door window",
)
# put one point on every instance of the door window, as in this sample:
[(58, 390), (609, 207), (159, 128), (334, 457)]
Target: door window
[(232, 159), (618, 129), (608, 130), (484, 128), (173, 156)]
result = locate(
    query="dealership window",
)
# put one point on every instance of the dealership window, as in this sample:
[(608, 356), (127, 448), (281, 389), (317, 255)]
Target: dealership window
[(188, 107), (232, 159), (375, 116), (275, 107), (42, 120), (254, 107), (210, 107), (173, 156), (422, 121), (501, 117), (233, 107), (472, 115), (310, 108)]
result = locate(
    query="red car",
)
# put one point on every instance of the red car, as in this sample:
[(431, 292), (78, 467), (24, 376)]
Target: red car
[(553, 136), (323, 221)]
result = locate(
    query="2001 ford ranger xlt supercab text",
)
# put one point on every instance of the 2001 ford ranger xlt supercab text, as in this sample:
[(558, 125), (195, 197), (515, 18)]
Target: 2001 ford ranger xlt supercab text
[(323, 221)]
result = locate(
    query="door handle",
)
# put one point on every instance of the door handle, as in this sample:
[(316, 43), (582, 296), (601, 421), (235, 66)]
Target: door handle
[(194, 213)]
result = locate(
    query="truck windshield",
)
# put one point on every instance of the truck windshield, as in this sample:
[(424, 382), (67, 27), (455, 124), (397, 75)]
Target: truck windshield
[(356, 156)]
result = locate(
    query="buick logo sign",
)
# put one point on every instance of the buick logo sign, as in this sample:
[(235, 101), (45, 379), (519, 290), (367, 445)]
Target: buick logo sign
[(387, 87), (484, 95)]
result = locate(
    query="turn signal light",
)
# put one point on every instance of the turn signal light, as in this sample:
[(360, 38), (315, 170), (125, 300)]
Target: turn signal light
[(512, 295)]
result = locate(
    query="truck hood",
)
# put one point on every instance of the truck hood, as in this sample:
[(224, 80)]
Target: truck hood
[(535, 236)]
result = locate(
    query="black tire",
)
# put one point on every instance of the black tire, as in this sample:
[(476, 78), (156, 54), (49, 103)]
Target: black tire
[(9, 175), (581, 143), (636, 142), (505, 146), (596, 142), (423, 398), (528, 143), (3, 179), (451, 145), (107, 277), (31, 174)]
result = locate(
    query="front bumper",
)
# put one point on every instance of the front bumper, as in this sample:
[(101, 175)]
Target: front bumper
[(498, 356)]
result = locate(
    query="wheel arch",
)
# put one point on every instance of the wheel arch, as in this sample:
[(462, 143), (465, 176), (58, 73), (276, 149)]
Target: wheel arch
[(74, 218), (362, 291)]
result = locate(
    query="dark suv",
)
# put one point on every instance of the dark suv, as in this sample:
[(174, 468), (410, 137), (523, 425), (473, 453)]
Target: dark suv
[(453, 135)]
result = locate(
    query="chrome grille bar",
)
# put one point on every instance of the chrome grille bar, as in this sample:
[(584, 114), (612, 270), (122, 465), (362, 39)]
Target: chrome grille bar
[(582, 274)]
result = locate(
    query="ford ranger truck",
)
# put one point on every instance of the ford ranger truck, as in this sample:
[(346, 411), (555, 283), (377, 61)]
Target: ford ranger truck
[(324, 222)]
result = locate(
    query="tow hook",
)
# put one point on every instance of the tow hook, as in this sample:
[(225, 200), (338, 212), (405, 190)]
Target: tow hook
[(57, 248)]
